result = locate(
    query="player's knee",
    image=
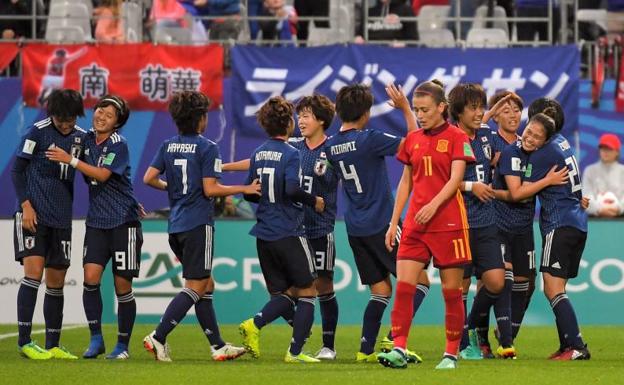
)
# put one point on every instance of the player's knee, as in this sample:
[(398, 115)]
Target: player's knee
[(123, 284), (382, 288), (324, 286)]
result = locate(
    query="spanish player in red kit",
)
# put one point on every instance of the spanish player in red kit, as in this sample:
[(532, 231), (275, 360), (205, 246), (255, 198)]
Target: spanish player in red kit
[(435, 226)]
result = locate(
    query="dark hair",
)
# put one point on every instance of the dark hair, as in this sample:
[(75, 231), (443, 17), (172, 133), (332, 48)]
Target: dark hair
[(547, 120), (465, 94), (275, 116), (541, 104), (322, 108), (501, 94), (435, 89), (353, 101), (65, 104), (120, 106), (187, 108)]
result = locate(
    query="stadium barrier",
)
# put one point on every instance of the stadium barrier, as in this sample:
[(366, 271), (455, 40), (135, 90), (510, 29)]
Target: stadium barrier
[(240, 289)]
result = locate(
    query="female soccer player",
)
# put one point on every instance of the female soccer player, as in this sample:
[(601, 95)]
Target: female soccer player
[(113, 228), (43, 219), (435, 225), (192, 166)]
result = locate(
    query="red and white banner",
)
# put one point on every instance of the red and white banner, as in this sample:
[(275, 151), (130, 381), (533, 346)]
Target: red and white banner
[(143, 74), (8, 51)]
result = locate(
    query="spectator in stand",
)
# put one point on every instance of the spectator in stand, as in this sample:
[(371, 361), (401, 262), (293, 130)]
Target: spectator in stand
[(615, 16), (167, 13), (254, 7), (284, 28), (307, 8), (603, 181), (418, 4), (14, 29), (391, 27), (227, 27), (194, 10), (537, 8), (109, 26)]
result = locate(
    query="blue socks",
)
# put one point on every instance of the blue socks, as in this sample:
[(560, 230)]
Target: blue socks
[(372, 321), (126, 314), (208, 321), (329, 316), (53, 313), (567, 324), (519, 293), (26, 300), (303, 320), (92, 303), (277, 306), (177, 309), (502, 311)]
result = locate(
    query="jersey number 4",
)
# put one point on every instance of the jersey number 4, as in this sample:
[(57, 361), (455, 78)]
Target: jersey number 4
[(351, 175)]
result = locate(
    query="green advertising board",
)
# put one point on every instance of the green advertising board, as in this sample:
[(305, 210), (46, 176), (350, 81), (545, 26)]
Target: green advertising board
[(240, 290)]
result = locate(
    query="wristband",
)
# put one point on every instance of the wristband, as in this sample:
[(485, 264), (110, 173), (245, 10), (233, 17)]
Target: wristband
[(467, 186), (73, 162)]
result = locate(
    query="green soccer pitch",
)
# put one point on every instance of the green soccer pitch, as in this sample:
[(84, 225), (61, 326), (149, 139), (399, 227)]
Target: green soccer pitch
[(192, 363)]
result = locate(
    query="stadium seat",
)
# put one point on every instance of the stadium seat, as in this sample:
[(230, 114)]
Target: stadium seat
[(487, 38), (133, 21), (437, 38), (66, 34), (598, 16), (175, 35), (87, 3), (479, 21), (433, 17), (340, 29), (69, 15)]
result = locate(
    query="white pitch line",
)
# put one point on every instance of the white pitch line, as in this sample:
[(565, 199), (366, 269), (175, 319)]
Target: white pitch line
[(40, 331)]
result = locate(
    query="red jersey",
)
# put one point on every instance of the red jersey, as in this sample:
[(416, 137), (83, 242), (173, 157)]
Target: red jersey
[(430, 154)]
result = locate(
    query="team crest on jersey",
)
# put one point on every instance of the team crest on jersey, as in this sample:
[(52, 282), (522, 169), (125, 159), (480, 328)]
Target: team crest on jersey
[(484, 139), (29, 242), (320, 167), (442, 145), (416, 146), (76, 149), (77, 139), (487, 150)]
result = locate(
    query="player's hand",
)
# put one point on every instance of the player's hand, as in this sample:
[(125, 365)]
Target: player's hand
[(29, 219), (607, 212), (319, 207), (255, 188), (57, 154), (557, 177), (425, 214), (496, 109), (142, 212), (484, 192), (397, 97), (391, 237), (585, 202)]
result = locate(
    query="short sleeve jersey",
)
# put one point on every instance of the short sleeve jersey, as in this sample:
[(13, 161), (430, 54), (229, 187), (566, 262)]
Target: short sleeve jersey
[(276, 163), (111, 203), (513, 217), (560, 205), (186, 160), (358, 156), (498, 142), (430, 154), (319, 179), (480, 214), (50, 185)]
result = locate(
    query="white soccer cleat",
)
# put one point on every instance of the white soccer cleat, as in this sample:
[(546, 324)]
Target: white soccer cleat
[(326, 354), (227, 352), (160, 351)]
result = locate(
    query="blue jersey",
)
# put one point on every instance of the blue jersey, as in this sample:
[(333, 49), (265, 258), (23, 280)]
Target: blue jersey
[(186, 160), (318, 179), (111, 203), (480, 214), (50, 185), (513, 217), (560, 205), (358, 158), (498, 142), (276, 163)]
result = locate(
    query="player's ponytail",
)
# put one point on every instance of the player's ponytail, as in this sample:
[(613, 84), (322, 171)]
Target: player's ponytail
[(435, 89)]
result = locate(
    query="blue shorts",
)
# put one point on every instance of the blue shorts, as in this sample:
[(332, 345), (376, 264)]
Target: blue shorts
[(52, 243), (324, 255), (122, 244), (194, 249), (486, 250), (286, 263), (519, 250)]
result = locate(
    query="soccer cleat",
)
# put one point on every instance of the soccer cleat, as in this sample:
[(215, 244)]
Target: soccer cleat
[(120, 352), (96, 347), (394, 359), (556, 354), (251, 337), (386, 345), (486, 351), (160, 351), (365, 358), (412, 357), (227, 352), (325, 354), (472, 351), (300, 358), (571, 354), (59, 352), (447, 363), (509, 352), (34, 352)]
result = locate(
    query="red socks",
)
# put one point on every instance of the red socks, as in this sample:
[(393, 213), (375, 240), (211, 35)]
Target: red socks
[(402, 313), (454, 319)]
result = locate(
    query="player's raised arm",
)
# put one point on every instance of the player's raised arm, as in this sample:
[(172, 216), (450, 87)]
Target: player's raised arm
[(399, 101)]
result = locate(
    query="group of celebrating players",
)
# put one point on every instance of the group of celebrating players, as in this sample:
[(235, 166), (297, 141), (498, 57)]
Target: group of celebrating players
[(471, 193)]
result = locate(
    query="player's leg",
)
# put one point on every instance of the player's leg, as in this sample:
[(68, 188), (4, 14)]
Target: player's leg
[(522, 251), (466, 282), (96, 253), (325, 256)]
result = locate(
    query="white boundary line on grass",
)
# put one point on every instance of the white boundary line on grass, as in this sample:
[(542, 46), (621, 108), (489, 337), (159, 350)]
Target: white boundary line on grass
[(40, 331)]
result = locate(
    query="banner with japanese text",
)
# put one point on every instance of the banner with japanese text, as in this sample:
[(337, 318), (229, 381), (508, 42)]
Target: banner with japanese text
[(261, 72), (143, 74), (8, 51)]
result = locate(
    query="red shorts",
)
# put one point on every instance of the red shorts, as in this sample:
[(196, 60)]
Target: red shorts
[(448, 248)]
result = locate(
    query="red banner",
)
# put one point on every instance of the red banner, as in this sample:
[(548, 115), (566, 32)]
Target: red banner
[(619, 81), (143, 74), (8, 51)]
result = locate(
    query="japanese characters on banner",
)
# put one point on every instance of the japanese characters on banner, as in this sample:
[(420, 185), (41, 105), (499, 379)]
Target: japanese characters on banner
[(262, 72), (8, 51), (144, 74)]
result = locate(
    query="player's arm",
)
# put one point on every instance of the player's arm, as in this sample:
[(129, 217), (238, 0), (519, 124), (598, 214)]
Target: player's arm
[(495, 110), (241, 165), (458, 167), (212, 188), (520, 190), (152, 178), (59, 155), (293, 188), (399, 101), (482, 191), (402, 195), (18, 175)]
